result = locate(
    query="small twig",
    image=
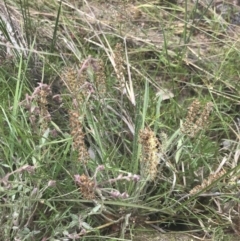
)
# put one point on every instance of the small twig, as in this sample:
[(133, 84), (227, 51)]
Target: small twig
[(216, 194), (157, 228)]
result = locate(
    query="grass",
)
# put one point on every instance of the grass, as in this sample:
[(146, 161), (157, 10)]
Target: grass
[(118, 123)]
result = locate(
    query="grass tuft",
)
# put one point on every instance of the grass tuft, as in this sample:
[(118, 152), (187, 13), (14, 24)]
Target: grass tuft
[(118, 118)]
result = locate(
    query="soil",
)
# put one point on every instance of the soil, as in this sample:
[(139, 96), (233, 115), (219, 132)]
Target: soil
[(177, 237)]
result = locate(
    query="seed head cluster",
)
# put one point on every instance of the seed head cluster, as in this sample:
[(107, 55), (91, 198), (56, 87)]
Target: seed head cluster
[(149, 160), (119, 64), (86, 186), (207, 182), (75, 117), (100, 78), (77, 134), (75, 83), (197, 118), (43, 93), (37, 106)]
